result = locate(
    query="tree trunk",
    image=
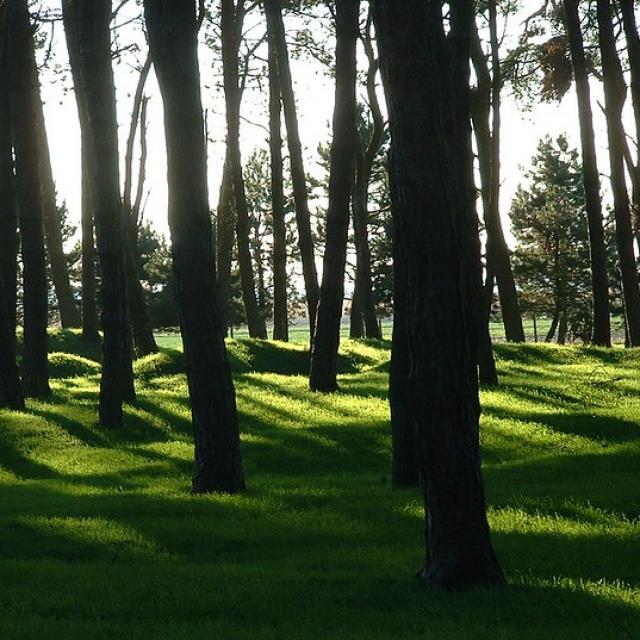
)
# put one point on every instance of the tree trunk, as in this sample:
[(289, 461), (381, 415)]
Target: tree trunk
[(356, 320), (89, 37), (173, 40), (488, 106), (563, 327), (280, 312), (232, 21), (24, 121), (324, 357), (11, 393), (591, 179), (442, 374), (554, 324), (276, 32), (225, 236), (615, 95)]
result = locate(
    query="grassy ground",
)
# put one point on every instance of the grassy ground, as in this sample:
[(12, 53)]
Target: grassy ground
[(99, 537)]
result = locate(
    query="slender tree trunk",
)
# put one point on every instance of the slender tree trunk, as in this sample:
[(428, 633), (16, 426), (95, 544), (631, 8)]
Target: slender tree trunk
[(225, 236), (591, 179), (173, 39), (89, 37), (356, 320), (554, 324), (11, 393), (232, 21), (280, 312), (442, 373), (24, 121), (324, 358), (275, 29), (615, 95)]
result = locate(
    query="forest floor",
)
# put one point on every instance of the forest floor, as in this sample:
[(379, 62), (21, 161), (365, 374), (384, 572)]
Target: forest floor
[(100, 538)]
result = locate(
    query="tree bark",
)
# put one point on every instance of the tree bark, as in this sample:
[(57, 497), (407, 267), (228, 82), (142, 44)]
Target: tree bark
[(89, 36), (356, 320), (172, 28), (615, 95), (599, 279), (25, 124), (225, 237), (276, 32), (324, 357), (442, 373), (232, 21), (280, 312)]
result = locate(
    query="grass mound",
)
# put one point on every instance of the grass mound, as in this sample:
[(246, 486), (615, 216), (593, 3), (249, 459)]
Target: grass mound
[(69, 365)]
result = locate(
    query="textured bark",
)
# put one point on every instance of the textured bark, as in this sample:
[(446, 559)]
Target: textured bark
[(275, 29), (442, 373), (89, 36), (25, 124), (173, 39), (225, 239), (324, 357), (280, 313), (232, 21), (615, 95), (599, 279)]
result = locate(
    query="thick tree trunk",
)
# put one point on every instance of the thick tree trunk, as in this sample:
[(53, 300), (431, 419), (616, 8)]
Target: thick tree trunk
[(11, 393), (275, 29), (69, 311), (615, 95), (280, 313), (225, 237), (442, 373), (324, 357), (24, 121), (591, 179), (232, 20), (488, 106), (173, 40), (89, 40)]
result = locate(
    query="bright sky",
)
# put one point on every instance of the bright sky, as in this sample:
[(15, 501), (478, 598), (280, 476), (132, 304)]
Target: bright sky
[(314, 91)]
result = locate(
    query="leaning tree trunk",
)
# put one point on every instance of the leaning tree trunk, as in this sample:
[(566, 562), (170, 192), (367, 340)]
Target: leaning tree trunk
[(24, 121), (591, 180), (225, 238), (276, 33), (232, 21), (280, 313), (11, 394), (442, 374), (615, 95), (324, 357), (89, 40), (173, 40)]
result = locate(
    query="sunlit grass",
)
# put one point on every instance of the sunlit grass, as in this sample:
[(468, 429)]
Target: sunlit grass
[(100, 538)]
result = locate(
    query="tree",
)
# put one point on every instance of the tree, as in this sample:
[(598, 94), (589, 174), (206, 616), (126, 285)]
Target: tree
[(173, 41), (232, 21), (89, 40), (324, 369), (615, 94), (442, 373), (24, 123), (591, 179), (276, 33), (225, 241)]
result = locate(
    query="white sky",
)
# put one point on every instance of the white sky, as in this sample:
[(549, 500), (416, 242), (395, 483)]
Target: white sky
[(314, 91)]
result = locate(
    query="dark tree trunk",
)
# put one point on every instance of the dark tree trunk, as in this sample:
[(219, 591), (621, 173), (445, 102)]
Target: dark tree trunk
[(356, 321), (89, 37), (488, 106), (615, 94), (232, 21), (324, 357), (143, 339), (280, 313), (275, 29), (442, 374), (11, 394), (591, 179), (554, 324), (69, 311), (225, 237), (563, 326), (173, 40), (24, 121)]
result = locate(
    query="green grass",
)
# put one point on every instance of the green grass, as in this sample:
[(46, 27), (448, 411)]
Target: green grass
[(100, 538)]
